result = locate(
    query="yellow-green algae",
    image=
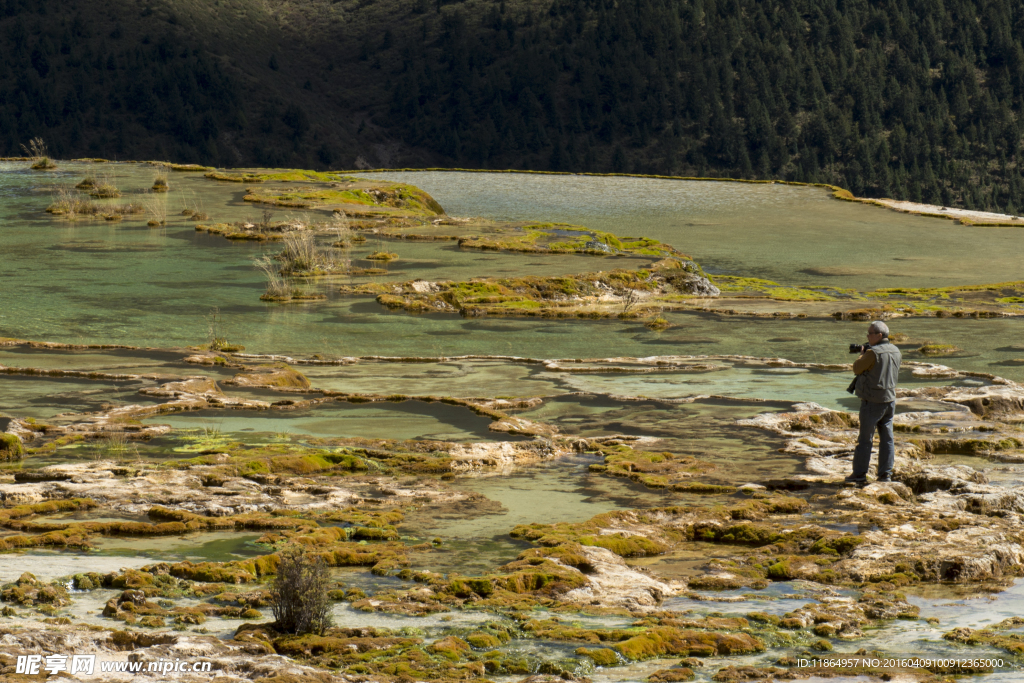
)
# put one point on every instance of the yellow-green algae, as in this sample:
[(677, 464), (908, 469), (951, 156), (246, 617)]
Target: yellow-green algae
[(563, 238), (385, 200), (588, 295)]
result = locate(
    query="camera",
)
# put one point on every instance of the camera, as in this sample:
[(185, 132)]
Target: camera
[(859, 348)]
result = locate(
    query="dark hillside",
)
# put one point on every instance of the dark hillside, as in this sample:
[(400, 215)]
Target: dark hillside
[(224, 82), (915, 99)]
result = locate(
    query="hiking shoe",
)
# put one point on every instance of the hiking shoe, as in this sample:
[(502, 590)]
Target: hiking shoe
[(887, 479), (854, 479)]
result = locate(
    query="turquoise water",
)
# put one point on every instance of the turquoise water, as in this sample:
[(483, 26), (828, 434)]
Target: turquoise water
[(46, 397), (93, 282), (405, 420), (795, 235)]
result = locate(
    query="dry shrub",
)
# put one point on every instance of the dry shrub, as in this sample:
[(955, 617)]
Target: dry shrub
[(160, 184), (68, 203), (129, 209), (300, 596), (302, 254), (277, 286), (157, 211), (115, 442)]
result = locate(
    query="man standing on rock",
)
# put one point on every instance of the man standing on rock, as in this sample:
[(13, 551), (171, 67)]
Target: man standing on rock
[(877, 370)]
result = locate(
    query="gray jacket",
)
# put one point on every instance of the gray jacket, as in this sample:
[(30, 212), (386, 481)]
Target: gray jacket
[(878, 384)]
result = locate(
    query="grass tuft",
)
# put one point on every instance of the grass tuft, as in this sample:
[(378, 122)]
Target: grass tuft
[(69, 204)]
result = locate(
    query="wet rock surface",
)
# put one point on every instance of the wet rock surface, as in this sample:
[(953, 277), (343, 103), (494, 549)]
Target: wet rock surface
[(938, 523)]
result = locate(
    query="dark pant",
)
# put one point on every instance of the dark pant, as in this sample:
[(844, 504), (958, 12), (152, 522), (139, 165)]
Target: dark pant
[(874, 415)]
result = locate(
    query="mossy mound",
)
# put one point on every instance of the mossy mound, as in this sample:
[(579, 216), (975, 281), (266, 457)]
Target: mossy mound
[(658, 323), (31, 592), (370, 653), (44, 164), (359, 198), (656, 470), (11, 447), (938, 349), (601, 656), (994, 636), (667, 641), (105, 190), (733, 284), (607, 294), (648, 641), (563, 238)]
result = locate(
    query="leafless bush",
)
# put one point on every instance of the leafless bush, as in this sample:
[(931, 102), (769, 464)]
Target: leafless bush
[(265, 220), (339, 226), (300, 601), (277, 286), (160, 184), (630, 298)]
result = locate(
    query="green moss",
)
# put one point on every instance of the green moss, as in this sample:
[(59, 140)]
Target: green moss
[(702, 488), (739, 534), (836, 545), (451, 647), (483, 641), (771, 289), (563, 238), (661, 641), (10, 447), (993, 636), (464, 588), (602, 656), (371, 198), (763, 618), (938, 349), (658, 323)]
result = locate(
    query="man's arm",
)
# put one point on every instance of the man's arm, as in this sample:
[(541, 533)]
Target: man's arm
[(864, 363)]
